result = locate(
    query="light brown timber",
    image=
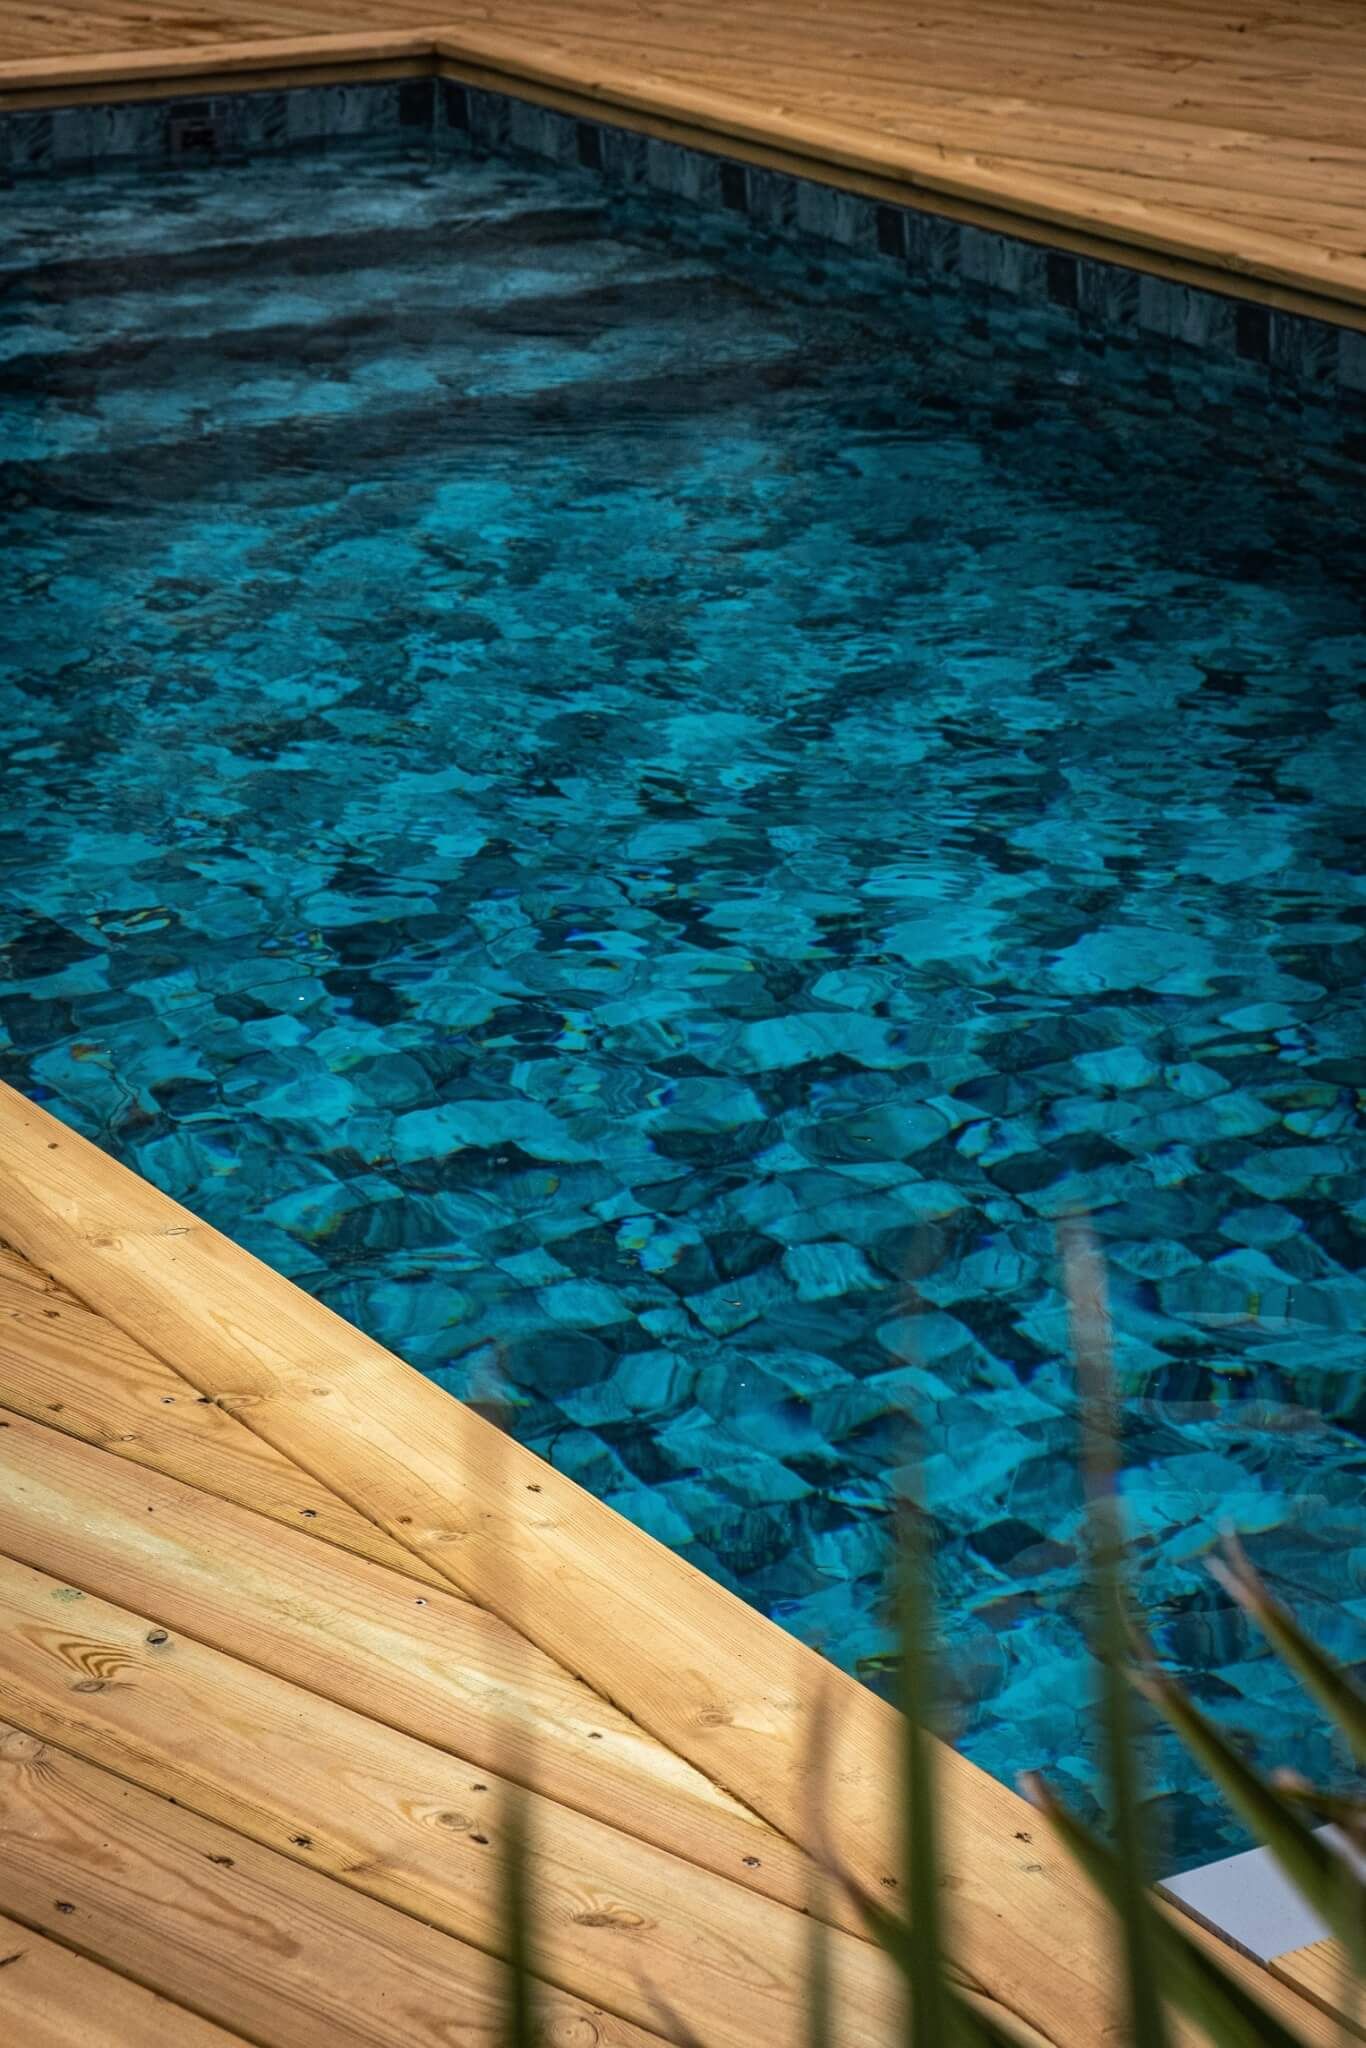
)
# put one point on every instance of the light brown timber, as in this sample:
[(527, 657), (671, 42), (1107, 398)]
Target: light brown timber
[(1223, 138), (719, 1685)]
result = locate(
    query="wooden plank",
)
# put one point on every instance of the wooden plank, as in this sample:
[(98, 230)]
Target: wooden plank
[(930, 168), (712, 1679), (720, 1686), (1252, 288), (286, 78), (243, 55), (1214, 136), (77, 1372), (245, 1937), (617, 1921), (418, 1660), (51, 1998), (1322, 1972)]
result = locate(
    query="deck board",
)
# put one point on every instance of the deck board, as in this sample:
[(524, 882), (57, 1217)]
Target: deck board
[(51, 1997), (288, 1708), (389, 1647), (201, 1914), (63, 1366), (723, 1688), (1190, 131), (618, 1922), (1322, 1971)]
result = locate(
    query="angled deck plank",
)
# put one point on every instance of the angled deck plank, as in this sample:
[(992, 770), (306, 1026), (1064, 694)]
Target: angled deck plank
[(717, 1683), (618, 1923), (1219, 137), (420, 1661), (75, 1371), (53, 1998), (200, 1914), (1135, 213), (1322, 1972), (243, 45), (721, 1686)]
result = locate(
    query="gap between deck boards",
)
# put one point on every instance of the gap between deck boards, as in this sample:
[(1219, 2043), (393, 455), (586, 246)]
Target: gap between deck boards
[(718, 1684)]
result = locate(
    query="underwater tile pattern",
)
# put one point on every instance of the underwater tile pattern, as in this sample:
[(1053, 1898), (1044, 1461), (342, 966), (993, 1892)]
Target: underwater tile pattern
[(1296, 357), (643, 814)]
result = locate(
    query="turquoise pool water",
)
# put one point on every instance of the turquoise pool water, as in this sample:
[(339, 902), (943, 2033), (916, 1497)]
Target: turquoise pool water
[(643, 816)]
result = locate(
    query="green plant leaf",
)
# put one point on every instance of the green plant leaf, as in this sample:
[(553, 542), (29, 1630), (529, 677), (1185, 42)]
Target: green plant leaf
[(1336, 1809), (819, 2028), (519, 2020), (928, 2016), (1227, 2015), (1321, 1878), (1112, 1633), (1318, 1674)]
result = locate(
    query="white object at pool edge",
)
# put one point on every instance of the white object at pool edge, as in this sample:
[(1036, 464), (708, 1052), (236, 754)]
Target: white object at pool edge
[(1251, 1903)]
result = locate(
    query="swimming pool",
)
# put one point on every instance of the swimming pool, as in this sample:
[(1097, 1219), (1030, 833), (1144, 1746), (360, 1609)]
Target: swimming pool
[(643, 813)]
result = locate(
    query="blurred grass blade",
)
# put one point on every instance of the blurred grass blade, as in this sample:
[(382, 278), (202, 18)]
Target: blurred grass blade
[(1225, 2014), (519, 2021), (1334, 1809), (820, 2032), (1316, 1671), (927, 2023), (1314, 1870), (680, 2034), (936, 2014), (1089, 1318)]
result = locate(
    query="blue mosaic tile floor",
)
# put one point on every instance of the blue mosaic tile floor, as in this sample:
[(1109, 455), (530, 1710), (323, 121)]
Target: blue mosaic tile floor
[(643, 818)]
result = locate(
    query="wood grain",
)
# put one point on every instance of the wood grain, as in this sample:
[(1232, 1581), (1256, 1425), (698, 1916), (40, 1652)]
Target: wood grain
[(717, 1684), (78, 1373), (418, 1660), (966, 155), (1219, 135), (617, 1921), (1322, 1972), (202, 1915), (712, 1679), (51, 1998)]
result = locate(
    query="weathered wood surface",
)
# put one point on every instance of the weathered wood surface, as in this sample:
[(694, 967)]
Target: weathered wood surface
[(720, 1687), (202, 1914), (618, 1922), (53, 1998), (76, 1372), (419, 1660), (1321, 1971), (1211, 134)]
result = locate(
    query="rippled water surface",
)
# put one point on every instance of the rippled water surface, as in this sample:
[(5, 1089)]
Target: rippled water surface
[(643, 819)]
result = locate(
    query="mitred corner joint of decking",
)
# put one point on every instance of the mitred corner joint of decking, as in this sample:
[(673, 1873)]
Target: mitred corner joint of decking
[(1187, 245), (711, 1680)]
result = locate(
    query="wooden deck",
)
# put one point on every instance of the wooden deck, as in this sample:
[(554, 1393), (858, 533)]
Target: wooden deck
[(278, 1621), (1214, 140)]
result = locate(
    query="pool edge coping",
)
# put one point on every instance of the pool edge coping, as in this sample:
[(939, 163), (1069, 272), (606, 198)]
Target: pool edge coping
[(1288, 276), (724, 1687)]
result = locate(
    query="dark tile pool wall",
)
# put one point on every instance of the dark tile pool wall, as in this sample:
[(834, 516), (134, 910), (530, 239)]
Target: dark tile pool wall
[(1282, 355)]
